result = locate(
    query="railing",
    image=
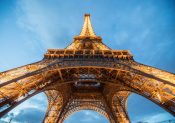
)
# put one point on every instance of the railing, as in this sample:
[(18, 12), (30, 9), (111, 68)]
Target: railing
[(64, 53)]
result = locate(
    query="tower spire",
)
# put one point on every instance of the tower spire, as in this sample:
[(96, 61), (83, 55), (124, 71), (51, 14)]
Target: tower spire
[(87, 29), (87, 39)]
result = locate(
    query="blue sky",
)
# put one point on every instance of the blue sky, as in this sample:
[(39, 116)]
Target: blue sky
[(145, 27)]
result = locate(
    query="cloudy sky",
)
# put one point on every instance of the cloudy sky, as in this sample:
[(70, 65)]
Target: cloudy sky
[(145, 27)]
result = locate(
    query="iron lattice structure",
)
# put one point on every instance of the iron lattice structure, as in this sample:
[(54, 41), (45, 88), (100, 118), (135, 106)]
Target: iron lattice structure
[(87, 75)]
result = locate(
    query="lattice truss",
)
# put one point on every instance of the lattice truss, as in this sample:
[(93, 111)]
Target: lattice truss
[(98, 79)]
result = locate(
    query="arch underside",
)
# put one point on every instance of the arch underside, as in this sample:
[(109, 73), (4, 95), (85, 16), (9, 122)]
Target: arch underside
[(75, 105), (60, 80), (114, 112)]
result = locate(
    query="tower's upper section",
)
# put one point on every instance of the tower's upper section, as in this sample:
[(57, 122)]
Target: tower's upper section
[(87, 45), (87, 38)]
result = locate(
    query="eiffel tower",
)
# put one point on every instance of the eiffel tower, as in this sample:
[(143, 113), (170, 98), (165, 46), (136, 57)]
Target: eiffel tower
[(87, 74)]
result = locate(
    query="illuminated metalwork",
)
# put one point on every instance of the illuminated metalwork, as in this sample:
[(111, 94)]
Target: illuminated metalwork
[(87, 75)]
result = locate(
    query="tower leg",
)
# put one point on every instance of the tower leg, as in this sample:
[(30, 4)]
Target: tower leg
[(119, 110), (116, 101), (54, 106)]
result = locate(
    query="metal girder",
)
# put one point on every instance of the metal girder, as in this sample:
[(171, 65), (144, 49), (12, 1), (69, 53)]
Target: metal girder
[(105, 75), (12, 105), (87, 75)]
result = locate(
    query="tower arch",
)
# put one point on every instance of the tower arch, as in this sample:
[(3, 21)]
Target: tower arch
[(86, 116), (94, 106)]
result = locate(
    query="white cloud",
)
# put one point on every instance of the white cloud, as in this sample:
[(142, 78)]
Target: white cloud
[(158, 117), (43, 21), (31, 18), (154, 118), (38, 102)]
